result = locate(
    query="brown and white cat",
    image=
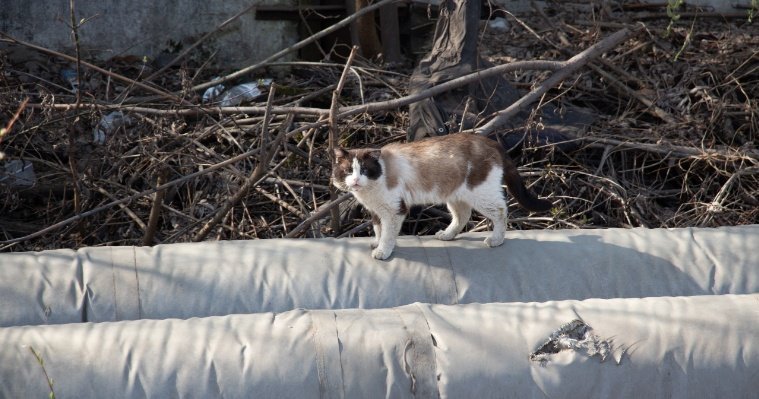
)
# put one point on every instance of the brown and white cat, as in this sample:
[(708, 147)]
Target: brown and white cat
[(464, 171)]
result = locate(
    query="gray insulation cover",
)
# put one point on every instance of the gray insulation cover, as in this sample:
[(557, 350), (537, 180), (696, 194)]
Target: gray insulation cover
[(673, 347), (41, 288), (220, 278)]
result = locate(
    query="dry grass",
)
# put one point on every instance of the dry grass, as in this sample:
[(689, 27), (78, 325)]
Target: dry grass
[(674, 145)]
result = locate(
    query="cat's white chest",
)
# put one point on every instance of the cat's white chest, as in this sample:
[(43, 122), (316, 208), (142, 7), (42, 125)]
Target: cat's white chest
[(376, 199)]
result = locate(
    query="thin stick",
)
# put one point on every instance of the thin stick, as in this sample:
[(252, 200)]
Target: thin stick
[(666, 149), (126, 210), (280, 202), (334, 135), (191, 111), (155, 210), (14, 118), (318, 214), (654, 109), (75, 32), (72, 153)]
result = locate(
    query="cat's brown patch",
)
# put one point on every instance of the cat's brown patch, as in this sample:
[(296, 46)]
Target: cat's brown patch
[(444, 163), (391, 169)]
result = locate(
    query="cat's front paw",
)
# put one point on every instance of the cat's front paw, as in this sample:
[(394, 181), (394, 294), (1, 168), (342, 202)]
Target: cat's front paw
[(381, 253), (374, 244), (493, 241), (442, 235)]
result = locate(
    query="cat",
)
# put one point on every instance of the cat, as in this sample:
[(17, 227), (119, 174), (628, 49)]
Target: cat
[(464, 171)]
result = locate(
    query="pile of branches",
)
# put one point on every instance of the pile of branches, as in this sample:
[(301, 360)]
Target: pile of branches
[(673, 143)]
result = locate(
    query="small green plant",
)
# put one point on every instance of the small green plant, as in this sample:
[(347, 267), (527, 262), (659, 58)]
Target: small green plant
[(673, 14), (752, 11), (41, 361)]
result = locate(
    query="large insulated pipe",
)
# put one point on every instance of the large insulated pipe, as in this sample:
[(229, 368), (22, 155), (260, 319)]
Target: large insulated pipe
[(673, 347), (220, 278)]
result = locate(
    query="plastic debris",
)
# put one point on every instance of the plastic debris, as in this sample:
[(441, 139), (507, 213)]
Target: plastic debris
[(212, 92), (69, 75), (244, 92), (240, 93), (109, 124), (18, 173), (499, 24)]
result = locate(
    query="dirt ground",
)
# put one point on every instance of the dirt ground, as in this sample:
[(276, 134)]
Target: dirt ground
[(673, 142)]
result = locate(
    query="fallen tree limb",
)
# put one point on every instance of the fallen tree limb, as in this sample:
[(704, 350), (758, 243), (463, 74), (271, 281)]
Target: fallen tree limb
[(191, 111), (451, 84), (569, 67)]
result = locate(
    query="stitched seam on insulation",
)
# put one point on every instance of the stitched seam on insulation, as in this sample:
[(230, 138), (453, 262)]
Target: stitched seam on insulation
[(453, 277), (81, 280), (113, 281), (434, 354), (320, 372), (452, 288), (339, 355), (712, 259), (137, 280)]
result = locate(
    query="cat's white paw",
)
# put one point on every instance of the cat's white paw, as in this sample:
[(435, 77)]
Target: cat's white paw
[(493, 241), (444, 236), (381, 253), (374, 244)]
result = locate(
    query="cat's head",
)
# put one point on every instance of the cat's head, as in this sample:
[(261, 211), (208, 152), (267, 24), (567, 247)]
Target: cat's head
[(355, 170)]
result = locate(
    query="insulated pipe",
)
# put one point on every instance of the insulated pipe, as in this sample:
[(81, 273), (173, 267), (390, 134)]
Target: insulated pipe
[(674, 347), (219, 278)]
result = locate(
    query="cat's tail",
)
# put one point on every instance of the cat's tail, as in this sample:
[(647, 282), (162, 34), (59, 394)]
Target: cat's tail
[(518, 190)]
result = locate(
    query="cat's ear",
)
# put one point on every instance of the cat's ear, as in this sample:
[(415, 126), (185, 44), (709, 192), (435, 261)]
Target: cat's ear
[(340, 153), (375, 154)]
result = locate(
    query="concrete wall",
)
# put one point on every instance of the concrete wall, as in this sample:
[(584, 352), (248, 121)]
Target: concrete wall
[(148, 27)]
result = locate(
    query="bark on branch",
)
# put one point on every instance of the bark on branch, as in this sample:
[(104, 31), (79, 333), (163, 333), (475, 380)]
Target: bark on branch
[(569, 67)]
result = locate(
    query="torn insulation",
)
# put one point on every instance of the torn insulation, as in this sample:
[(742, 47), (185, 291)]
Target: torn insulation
[(577, 336)]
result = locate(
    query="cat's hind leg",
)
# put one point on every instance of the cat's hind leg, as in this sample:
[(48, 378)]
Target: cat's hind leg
[(461, 212), (498, 213)]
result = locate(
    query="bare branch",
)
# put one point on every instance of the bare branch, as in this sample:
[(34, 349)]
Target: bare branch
[(568, 68)]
